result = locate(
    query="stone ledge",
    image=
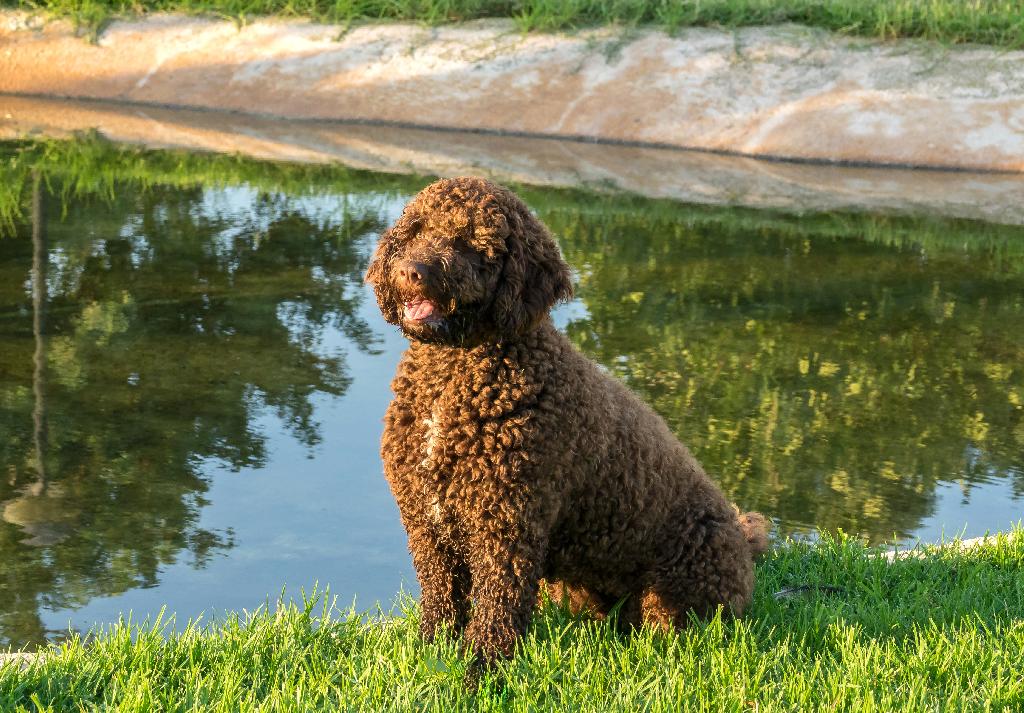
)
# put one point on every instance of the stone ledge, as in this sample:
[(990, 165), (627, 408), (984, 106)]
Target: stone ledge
[(24, 660), (782, 92), (923, 549)]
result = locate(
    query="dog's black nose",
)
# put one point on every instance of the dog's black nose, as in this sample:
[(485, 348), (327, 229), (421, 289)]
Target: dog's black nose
[(412, 272)]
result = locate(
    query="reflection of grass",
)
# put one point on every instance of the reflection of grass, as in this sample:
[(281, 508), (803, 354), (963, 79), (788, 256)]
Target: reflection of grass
[(90, 167), (941, 632), (998, 22), (925, 232)]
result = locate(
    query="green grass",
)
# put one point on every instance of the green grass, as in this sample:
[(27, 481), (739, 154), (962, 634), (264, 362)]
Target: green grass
[(944, 631), (996, 22)]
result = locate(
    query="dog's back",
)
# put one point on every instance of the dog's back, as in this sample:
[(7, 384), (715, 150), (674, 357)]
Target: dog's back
[(633, 498)]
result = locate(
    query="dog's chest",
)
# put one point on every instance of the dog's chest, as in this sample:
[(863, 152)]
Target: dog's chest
[(432, 429), (454, 418), (438, 469), (444, 407), (441, 475)]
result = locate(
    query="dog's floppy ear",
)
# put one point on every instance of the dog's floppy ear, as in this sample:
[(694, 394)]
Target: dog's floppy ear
[(534, 276), (380, 265), (376, 271)]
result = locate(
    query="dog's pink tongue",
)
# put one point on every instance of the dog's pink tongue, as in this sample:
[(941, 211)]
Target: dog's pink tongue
[(419, 311)]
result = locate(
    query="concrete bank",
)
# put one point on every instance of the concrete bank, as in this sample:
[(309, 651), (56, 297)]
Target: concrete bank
[(23, 660), (689, 176), (783, 92)]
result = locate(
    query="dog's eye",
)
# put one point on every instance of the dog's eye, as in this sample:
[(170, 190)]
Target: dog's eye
[(472, 255), (410, 231)]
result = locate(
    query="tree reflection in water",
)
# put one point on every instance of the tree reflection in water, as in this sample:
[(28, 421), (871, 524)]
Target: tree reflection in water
[(173, 320), (830, 381)]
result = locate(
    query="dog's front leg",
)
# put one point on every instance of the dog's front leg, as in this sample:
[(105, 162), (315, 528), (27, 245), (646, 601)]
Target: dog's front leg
[(444, 583), (505, 566)]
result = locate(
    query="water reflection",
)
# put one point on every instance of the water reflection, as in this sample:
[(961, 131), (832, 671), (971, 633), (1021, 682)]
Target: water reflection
[(166, 317), (829, 381), (174, 320)]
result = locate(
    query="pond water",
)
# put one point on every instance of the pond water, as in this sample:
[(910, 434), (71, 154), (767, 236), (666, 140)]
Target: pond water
[(193, 374)]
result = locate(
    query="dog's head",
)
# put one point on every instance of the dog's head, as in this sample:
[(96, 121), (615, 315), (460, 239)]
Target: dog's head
[(465, 263)]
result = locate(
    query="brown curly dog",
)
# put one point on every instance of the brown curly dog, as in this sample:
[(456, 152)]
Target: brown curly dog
[(514, 458)]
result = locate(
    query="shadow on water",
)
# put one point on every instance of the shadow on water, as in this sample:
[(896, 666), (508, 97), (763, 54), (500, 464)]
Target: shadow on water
[(162, 311)]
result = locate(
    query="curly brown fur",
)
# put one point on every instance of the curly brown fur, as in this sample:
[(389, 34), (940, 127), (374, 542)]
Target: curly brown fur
[(514, 458)]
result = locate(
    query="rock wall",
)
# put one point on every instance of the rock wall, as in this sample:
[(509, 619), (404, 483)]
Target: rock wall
[(782, 92)]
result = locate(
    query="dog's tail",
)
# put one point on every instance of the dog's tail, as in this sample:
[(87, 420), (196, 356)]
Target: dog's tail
[(755, 527)]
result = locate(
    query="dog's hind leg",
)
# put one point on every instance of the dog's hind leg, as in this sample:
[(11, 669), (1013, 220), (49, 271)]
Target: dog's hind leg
[(577, 598), (710, 566)]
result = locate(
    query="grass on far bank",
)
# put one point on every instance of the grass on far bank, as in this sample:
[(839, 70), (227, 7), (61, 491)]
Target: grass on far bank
[(995, 22), (944, 631)]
